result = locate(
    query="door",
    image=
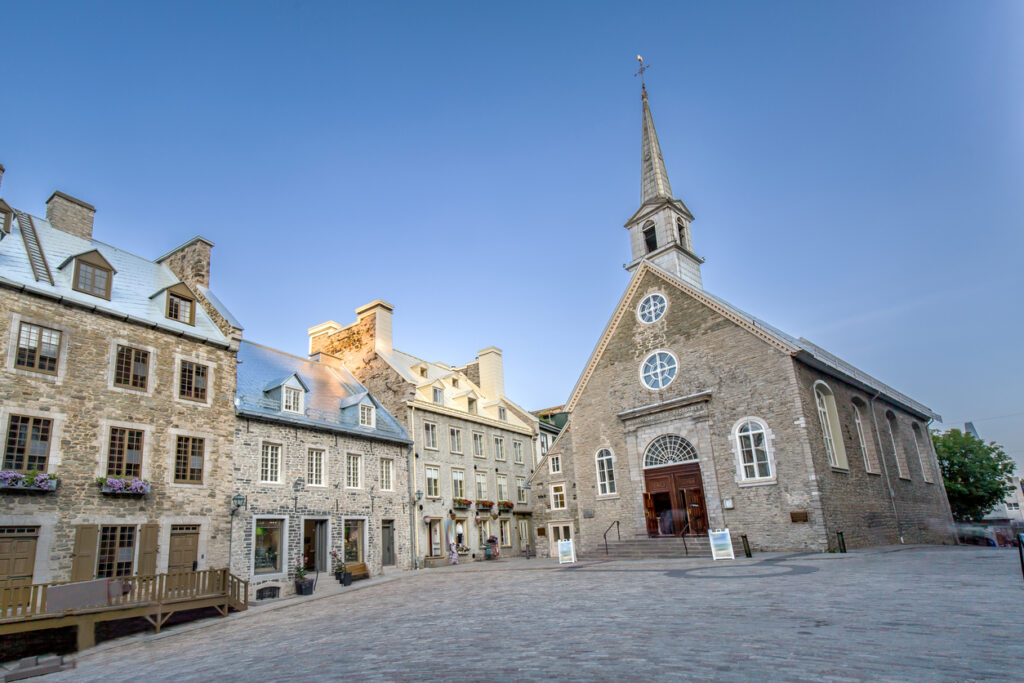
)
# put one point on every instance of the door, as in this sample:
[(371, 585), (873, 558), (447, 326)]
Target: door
[(309, 544), (674, 502), (387, 542), (696, 511), (650, 516), (560, 531), (17, 554), (435, 538), (183, 555), (525, 542)]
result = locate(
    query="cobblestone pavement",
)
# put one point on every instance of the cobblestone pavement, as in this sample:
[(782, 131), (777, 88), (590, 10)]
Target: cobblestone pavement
[(920, 613)]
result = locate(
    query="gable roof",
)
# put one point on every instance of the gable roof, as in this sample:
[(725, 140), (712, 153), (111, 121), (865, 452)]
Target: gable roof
[(799, 348)]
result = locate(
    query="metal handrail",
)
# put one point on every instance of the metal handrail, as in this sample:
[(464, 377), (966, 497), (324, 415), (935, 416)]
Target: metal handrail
[(686, 527), (618, 534)]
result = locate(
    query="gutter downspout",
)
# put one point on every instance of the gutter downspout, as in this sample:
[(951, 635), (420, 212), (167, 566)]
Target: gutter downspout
[(415, 544), (885, 468)]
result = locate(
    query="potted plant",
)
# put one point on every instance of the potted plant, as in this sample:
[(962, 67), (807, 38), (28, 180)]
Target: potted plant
[(341, 572), (506, 505), (484, 504), (303, 585), (461, 503), (123, 486), (12, 480)]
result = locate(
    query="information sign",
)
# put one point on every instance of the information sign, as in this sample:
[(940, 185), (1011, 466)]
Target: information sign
[(566, 552), (721, 544)]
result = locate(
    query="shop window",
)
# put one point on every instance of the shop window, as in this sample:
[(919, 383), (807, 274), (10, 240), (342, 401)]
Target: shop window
[(267, 557), (354, 540)]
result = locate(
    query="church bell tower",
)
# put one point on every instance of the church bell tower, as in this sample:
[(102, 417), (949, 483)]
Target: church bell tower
[(659, 231)]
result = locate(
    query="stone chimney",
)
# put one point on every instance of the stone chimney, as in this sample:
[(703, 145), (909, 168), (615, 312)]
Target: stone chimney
[(71, 215), (2, 169), (492, 377), (190, 261), (381, 311)]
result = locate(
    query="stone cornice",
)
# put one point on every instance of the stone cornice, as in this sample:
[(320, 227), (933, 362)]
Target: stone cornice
[(662, 406)]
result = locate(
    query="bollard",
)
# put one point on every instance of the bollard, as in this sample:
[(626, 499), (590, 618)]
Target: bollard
[(1020, 550), (746, 545), (841, 541)]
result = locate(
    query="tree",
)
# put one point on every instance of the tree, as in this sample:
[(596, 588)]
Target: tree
[(976, 474)]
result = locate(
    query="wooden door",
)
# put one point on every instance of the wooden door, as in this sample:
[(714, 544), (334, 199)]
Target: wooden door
[(696, 510), (17, 555), (184, 552), (649, 515), (387, 542), (435, 538), (83, 562)]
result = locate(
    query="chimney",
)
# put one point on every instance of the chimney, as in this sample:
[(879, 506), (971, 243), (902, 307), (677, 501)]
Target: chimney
[(71, 215), (190, 262), (381, 311), (2, 169), (492, 377)]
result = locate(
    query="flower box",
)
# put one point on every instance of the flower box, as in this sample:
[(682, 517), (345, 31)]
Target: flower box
[(506, 505), (117, 486), (16, 482), (484, 504), (461, 503)]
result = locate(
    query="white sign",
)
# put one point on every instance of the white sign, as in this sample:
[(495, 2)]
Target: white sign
[(566, 552), (721, 544)]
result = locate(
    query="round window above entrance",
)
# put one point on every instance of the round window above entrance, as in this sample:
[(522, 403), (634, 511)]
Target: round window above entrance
[(669, 450), (651, 308), (658, 370)]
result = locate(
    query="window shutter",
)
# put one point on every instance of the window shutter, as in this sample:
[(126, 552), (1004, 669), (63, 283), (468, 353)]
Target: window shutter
[(147, 549), (83, 565)]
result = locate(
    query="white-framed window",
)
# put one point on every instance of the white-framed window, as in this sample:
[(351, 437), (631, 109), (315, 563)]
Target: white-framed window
[(521, 490), (502, 481), (831, 432), (502, 414), (430, 435), (353, 471), (558, 496), (925, 471), (543, 445), (669, 449), (433, 478), (367, 415), (505, 532), (499, 448), (458, 483), (478, 445), (555, 464), (658, 370), (901, 465), (752, 440), (455, 440), (869, 463), (605, 472), (481, 486), (517, 452), (270, 464), (387, 467), (292, 400), (438, 396), (315, 467), (651, 308), (1013, 506)]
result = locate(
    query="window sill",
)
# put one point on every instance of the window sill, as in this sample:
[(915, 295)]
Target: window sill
[(840, 470), (317, 486), (748, 483), (877, 474), (186, 485), (904, 478), (271, 483), (431, 448), (607, 496), (353, 488)]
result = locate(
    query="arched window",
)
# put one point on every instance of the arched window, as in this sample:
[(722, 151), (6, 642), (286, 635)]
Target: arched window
[(658, 370), (652, 308), (866, 448), (752, 446), (901, 465), (605, 472), (669, 450), (925, 471), (830, 429)]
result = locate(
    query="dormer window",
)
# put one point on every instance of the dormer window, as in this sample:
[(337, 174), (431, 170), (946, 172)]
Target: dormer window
[(92, 275), (181, 306), (292, 400), (423, 372), (367, 417), (502, 414), (455, 382), (471, 405), (438, 396), (5, 218)]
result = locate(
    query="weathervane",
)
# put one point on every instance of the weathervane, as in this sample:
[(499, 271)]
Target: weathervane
[(640, 72)]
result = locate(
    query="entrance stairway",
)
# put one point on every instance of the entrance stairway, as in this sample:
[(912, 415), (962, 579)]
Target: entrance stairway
[(659, 547)]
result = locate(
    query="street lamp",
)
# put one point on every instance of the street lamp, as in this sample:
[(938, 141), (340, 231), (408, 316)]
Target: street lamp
[(237, 502)]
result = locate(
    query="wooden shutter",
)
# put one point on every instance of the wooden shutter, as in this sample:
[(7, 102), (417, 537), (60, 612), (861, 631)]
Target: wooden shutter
[(147, 549), (83, 565)]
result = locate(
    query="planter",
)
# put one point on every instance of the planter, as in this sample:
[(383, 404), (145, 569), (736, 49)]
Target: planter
[(344, 578), (505, 510), (304, 587), (129, 489), (25, 485)]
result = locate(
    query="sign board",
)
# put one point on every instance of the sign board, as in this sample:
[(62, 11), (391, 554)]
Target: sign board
[(721, 544), (566, 552)]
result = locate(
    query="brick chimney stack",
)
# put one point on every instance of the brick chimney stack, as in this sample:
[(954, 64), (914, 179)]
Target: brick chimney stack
[(70, 214)]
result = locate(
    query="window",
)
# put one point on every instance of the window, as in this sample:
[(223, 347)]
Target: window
[(555, 464), (92, 279), (521, 490), (423, 372), (28, 443), (1013, 506), (650, 238), (502, 414), (925, 472), (517, 452), (543, 445), (478, 445), (499, 448), (188, 460), (505, 531), (438, 396), (651, 308), (267, 549), (180, 308), (292, 400), (116, 555), (433, 477), (658, 370), (829, 419), (192, 381), (752, 446), (605, 473), (124, 453), (354, 471), (558, 496), (430, 435), (502, 481), (458, 484), (38, 348), (869, 464), (5, 218), (270, 464), (471, 405), (386, 469), (131, 368), (367, 418), (455, 382), (481, 486), (669, 450), (681, 232), (315, 467), (455, 439), (901, 466), (354, 540)]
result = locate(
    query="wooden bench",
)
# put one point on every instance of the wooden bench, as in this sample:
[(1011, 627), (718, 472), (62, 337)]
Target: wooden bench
[(358, 570)]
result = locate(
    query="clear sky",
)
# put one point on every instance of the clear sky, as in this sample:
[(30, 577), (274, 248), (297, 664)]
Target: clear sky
[(855, 169)]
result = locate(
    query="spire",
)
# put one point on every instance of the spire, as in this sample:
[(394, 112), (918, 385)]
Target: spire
[(654, 183)]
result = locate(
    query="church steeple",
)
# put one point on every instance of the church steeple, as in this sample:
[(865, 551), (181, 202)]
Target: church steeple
[(660, 229)]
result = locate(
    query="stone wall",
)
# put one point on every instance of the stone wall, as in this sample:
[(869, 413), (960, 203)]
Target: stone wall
[(541, 483)]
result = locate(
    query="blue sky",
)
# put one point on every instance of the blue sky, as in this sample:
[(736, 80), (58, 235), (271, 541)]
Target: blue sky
[(855, 168)]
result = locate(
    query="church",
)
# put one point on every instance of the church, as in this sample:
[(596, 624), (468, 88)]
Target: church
[(692, 415)]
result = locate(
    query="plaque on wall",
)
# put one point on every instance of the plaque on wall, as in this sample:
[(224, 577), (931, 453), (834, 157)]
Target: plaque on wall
[(588, 514), (798, 515)]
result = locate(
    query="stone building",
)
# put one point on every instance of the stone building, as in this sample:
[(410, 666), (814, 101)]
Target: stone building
[(322, 467), (691, 414), (116, 403), (473, 446)]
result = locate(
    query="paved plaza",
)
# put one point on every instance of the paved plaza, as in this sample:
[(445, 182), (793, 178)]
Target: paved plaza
[(905, 614)]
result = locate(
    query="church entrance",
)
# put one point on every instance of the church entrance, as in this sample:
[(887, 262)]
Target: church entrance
[(674, 502)]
